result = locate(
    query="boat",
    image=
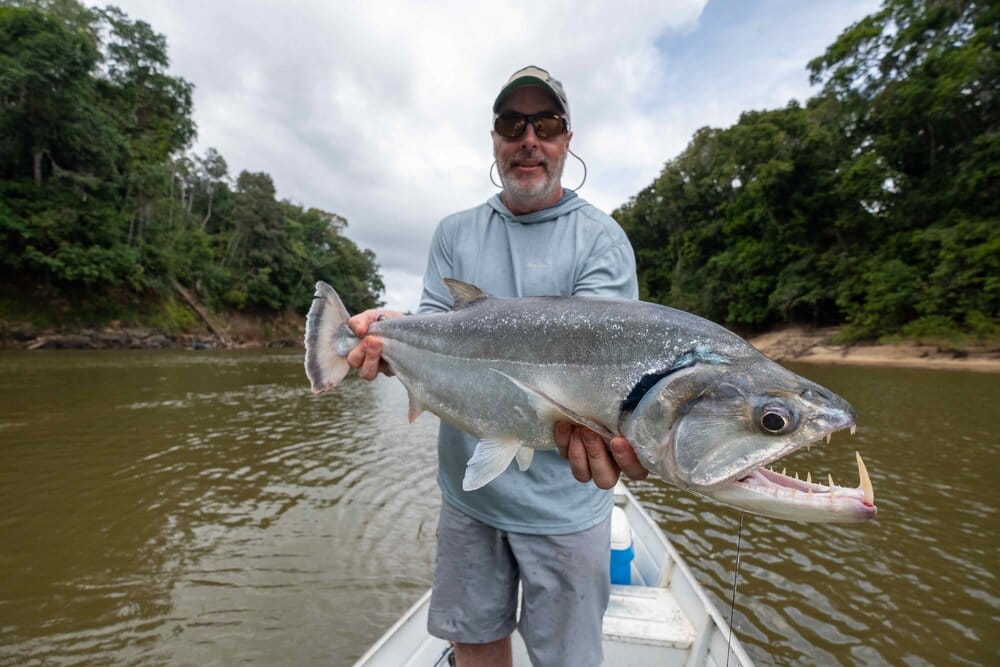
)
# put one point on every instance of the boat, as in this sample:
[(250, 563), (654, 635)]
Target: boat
[(662, 617)]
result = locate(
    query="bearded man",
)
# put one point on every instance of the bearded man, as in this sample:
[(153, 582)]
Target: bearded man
[(541, 528)]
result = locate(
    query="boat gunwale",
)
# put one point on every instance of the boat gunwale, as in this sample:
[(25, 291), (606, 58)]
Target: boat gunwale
[(709, 624)]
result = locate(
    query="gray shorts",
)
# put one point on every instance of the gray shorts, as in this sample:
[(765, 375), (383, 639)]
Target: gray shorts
[(565, 580)]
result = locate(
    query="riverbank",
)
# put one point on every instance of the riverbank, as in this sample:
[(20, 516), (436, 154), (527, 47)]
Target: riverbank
[(234, 331), (817, 346), (796, 344)]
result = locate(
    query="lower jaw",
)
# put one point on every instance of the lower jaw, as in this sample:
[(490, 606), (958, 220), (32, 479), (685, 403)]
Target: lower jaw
[(815, 509)]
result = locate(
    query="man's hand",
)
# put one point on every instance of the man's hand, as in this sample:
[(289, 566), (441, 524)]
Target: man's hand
[(367, 355), (590, 459)]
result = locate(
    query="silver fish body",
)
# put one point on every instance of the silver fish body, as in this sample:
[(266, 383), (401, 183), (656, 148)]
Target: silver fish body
[(703, 408)]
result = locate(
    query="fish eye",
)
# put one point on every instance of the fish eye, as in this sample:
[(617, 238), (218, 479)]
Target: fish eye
[(772, 421), (776, 419)]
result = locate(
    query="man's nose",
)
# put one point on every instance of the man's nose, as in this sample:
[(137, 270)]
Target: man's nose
[(529, 138)]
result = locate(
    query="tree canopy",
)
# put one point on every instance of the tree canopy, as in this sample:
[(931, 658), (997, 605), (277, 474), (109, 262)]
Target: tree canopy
[(874, 204), (99, 188)]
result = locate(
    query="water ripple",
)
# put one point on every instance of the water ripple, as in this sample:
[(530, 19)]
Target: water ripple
[(170, 508)]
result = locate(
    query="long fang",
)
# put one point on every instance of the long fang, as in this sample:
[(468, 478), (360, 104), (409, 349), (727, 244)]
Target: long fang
[(866, 481)]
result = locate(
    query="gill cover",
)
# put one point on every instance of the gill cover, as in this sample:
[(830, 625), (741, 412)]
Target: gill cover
[(717, 438), (650, 427)]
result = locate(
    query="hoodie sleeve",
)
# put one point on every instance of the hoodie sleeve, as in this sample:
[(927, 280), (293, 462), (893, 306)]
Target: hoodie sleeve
[(609, 268), (435, 297)]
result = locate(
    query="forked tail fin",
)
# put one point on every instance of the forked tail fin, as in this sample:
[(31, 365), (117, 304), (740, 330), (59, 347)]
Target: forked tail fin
[(328, 339)]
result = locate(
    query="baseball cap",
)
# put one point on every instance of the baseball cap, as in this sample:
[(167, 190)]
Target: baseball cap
[(533, 76)]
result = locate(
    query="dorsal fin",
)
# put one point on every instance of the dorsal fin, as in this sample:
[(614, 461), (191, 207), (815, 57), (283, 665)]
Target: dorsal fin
[(463, 294)]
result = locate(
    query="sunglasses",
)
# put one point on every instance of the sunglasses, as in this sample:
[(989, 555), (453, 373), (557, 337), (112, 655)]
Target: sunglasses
[(546, 124)]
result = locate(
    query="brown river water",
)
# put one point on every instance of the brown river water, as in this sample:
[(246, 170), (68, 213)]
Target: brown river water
[(204, 508)]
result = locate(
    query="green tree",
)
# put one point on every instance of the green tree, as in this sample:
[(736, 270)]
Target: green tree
[(58, 149), (875, 204), (98, 188), (49, 101), (916, 87), (738, 226)]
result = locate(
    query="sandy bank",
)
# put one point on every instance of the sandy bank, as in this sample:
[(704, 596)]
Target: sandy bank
[(805, 345)]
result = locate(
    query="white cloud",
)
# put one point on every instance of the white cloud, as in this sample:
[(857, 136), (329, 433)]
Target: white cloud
[(380, 111)]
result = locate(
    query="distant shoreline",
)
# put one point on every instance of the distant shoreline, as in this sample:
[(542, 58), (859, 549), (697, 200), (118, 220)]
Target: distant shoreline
[(795, 344), (234, 332), (815, 346)]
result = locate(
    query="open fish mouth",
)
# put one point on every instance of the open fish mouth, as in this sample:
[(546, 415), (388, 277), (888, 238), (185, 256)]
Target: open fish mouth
[(783, 496)]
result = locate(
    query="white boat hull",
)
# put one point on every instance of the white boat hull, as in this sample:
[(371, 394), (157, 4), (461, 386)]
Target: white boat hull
[(664, 618)]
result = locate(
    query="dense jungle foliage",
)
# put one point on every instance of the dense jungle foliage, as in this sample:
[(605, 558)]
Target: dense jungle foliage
[(875, 203), (101, 199)]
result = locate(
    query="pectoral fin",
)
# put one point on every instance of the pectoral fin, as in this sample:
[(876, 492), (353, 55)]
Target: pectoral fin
[(547, 408), (489, 460)]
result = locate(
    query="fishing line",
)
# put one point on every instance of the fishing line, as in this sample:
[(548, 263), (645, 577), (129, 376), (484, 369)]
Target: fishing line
[(736, 576)]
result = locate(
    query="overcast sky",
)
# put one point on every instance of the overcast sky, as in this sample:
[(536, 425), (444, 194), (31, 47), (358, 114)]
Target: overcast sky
[(381, 111)]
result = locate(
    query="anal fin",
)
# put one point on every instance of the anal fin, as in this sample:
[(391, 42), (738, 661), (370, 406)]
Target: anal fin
[(524, 456), (415, 408)]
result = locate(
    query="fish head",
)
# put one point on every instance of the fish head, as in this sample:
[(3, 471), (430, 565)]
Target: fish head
[(713, 428)]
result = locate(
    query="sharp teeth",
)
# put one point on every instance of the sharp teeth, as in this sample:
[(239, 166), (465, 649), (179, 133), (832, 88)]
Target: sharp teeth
[(809, 478), (796, 475), (784, 472), (829, 479), (829, 437), (854, 428), (866, 481), (809, 447)]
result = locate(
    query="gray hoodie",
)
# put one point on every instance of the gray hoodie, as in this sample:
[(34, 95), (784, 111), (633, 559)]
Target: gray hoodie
[(571, 248)]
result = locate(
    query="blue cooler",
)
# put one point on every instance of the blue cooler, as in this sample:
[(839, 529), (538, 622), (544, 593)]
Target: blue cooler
[(622, 552)]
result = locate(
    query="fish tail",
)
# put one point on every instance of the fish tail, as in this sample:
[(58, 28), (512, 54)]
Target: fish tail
[(328, 340)]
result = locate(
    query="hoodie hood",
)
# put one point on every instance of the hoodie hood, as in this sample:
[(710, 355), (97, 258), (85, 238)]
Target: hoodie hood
[(569, 202)]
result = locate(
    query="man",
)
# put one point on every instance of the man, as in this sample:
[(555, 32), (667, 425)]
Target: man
[(541, 526)]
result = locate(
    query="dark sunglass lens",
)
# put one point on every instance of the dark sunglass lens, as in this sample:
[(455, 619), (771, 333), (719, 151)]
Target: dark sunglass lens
[(548, 126), (509, 126)]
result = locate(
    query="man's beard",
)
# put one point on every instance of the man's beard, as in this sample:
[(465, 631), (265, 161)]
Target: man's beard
[(525, 195)]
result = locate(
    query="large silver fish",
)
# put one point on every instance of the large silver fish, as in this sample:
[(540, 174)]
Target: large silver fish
[(703, 409)]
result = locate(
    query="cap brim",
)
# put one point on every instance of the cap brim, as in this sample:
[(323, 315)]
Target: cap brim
[(520, 83)]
